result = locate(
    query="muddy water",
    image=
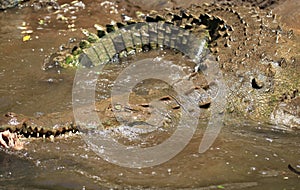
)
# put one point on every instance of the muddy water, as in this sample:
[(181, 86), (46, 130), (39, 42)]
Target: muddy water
[(25, 88), (245, 155), (240, 158)]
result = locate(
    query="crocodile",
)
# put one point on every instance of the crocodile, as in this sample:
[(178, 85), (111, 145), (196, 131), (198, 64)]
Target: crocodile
[(257, 56), (254, 52)]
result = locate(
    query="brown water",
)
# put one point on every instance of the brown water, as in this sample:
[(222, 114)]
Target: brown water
[(240, 158), (245, 155)]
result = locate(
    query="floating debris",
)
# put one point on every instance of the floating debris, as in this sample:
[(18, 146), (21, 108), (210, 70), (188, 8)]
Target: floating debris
[(26, 38), (27, 32)]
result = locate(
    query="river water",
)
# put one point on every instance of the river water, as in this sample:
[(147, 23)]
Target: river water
[(246, 155)]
